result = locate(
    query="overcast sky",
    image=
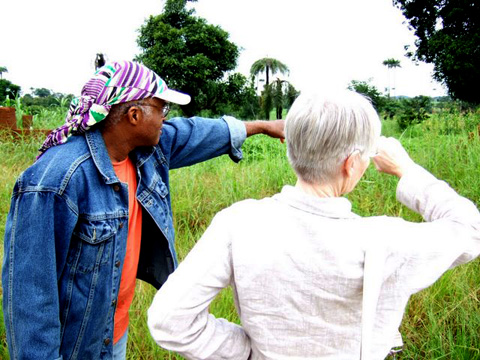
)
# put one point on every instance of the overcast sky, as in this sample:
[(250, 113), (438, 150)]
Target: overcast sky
[(52, 43)]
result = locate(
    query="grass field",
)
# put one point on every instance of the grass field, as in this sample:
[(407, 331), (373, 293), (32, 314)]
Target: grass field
[(441, 322)]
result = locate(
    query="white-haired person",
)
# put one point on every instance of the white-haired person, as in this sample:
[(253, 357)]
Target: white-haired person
[(310, 278)]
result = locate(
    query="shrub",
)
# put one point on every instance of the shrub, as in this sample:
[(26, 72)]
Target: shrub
[(414, 111)]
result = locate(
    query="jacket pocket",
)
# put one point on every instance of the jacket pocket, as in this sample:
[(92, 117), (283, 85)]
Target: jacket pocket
[(92, 244)]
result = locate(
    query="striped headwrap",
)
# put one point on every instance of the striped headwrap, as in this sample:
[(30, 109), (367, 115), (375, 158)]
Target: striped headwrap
[(114, 83)]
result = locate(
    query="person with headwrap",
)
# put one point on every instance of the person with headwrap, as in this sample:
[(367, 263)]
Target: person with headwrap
[(93, 213)]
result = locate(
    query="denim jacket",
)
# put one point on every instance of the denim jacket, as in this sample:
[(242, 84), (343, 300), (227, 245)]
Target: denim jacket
[(66, 236)]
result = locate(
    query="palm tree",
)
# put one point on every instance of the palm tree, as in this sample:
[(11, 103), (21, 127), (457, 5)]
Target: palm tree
[(2, 70), (268, 65), (391, 64), (278, 96)]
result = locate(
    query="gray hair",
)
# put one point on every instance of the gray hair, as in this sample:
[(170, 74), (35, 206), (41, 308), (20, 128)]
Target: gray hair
[(323, 130)]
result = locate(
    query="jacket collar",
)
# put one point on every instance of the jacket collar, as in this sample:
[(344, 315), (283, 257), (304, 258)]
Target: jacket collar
[(102, 160), (141, 154), (336, 208), (100, 156)]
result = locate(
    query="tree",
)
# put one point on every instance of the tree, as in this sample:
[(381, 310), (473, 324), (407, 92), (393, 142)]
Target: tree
[(414, 111), (236, 96), (7, 88), (369, 90), (42, 92), (189, 54), (283, 95), (3, 69), (448, 36), (391, 64), (278, 96), (267, 65), (42, 98), (290, 96), (266, 101)]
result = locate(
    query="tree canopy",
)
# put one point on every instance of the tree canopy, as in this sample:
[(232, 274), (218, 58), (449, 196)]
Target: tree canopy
[(448, 36), (267, 66), (187, 52), (7, 88), (391, 63), (369, 90), (45, 97), (42, 92)]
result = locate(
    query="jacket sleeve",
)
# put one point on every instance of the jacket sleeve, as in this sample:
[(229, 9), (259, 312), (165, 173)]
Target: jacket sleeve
[(186, 142), (36, 238), (449, 237), (179, 318)]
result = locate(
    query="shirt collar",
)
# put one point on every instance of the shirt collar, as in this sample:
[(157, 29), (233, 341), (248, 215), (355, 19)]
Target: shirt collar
[(336, 208)]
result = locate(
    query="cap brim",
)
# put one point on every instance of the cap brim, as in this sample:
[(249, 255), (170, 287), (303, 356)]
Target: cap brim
[(173, 96)]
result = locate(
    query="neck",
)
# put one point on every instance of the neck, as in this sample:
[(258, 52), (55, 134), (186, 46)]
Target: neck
[(319, 190), (118, 145)]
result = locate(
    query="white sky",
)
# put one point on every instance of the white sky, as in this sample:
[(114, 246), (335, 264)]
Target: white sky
[(52, 43)]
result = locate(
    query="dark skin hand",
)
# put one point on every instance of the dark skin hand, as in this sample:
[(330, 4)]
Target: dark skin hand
[(275, 129)]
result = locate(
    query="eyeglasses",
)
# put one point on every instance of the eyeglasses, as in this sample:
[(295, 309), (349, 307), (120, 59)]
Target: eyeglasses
[(165, 109), (369, 155)]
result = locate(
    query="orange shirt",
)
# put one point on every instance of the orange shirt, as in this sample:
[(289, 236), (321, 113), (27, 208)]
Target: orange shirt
[(125, 171)]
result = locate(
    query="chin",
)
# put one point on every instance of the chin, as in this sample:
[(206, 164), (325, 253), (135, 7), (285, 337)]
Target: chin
[(156, 140)]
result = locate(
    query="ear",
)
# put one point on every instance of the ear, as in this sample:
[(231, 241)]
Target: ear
[(349, 163), (134, 115)]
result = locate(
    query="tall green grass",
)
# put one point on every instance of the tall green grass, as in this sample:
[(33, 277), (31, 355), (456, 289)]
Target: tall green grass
[(441, 322), (49, 118)]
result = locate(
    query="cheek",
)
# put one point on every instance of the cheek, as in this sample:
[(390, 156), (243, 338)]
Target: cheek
[(154, 125)]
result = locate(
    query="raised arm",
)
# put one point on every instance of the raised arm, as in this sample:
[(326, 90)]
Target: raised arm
[(391, 157), (451, 234), (273, 129), (188, 141)]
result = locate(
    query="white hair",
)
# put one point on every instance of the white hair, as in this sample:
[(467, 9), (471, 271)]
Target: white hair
[(322, 130)]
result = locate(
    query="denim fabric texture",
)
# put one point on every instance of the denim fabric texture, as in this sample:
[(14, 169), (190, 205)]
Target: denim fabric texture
[(66, 235)]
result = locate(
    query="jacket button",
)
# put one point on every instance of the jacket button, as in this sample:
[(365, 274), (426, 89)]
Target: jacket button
[(120, 225), (116, 187), (114, 302), (107, 341), (117, 263)]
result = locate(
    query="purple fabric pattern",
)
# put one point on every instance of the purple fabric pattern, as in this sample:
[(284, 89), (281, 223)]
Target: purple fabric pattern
[(114, 83)]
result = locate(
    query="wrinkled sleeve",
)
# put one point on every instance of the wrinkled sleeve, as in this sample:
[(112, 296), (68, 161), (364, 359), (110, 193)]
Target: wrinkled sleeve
[(37, 231), (179, 319), (186, 142), (449, 237)]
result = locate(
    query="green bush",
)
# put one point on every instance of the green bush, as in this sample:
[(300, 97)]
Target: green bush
[(414, 111)]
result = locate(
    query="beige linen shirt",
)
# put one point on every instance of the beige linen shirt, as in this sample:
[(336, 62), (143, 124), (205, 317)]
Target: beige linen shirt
[(296, 265)]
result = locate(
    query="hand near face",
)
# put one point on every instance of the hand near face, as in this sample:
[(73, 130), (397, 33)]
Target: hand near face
[(391, 157)]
